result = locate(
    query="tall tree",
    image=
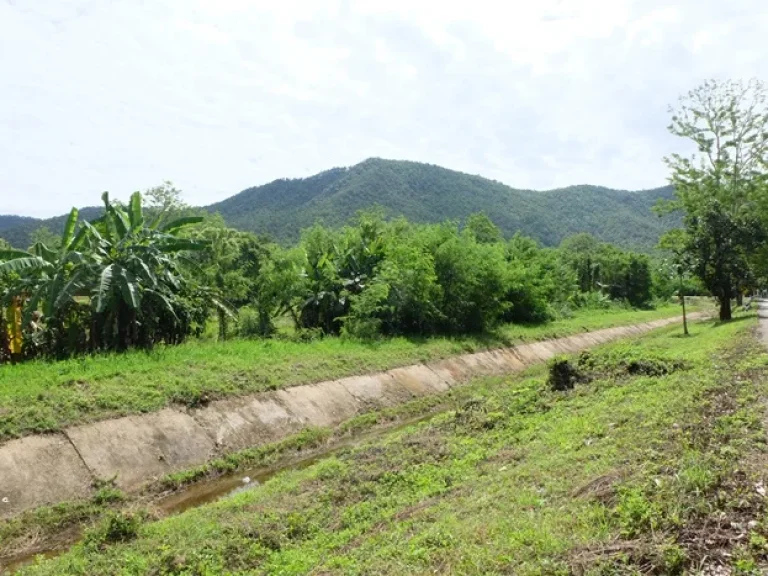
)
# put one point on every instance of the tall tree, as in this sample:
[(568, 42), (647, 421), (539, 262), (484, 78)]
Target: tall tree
[(723, 186)]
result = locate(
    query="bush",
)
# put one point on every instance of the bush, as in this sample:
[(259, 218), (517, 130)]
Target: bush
[(562, 375), (253, 323), (474, 281), (115, 527)]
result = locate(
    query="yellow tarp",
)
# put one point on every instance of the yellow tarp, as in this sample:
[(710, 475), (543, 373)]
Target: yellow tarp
[(13, 315)]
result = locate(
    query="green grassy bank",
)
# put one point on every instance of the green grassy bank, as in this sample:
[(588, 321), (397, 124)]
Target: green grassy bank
[(661, 440), (47, 396)]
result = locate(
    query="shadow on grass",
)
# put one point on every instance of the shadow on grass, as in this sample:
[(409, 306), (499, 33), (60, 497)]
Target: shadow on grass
[(737, 319), (470, 341)]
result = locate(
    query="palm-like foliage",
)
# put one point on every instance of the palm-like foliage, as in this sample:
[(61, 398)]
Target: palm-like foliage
[(120, 271), (44, 275)]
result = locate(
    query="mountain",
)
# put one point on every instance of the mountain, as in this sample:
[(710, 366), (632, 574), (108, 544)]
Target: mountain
[(18, 229), (422, 193), (427, 193)]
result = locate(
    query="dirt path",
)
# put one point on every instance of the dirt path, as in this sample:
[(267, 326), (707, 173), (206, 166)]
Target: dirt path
[(136, 450), (762, 314)]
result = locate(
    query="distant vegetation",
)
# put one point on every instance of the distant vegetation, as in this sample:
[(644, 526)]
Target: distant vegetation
[(20, 232), (426, 194), (136, 277)]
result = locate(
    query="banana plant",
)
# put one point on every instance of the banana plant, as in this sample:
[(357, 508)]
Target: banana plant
[(111, 265), (131, 261), (47, 278)]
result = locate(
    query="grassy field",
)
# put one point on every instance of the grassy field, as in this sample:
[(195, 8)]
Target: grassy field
[(47, 396), (654, 463)]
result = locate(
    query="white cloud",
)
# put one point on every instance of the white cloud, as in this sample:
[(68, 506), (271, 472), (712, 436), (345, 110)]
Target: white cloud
[(219, 95)]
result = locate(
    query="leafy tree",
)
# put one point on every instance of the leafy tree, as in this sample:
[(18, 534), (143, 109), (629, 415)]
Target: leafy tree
[(232, 265), (580, 252), (166, 201), (604, 268), (474, 281), (135, 262), (43, 273), (719, 245), (534, 281), (675, 243), (43, 235), (724, 181), (5, 333), (483, 229)]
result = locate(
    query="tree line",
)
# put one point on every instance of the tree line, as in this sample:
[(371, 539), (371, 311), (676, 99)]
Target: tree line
[(139, 276)]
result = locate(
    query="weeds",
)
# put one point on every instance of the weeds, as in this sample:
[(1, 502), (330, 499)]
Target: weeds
[(115, 527)]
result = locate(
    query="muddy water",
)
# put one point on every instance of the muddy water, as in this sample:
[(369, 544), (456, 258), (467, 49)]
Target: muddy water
[(20, 562), (207, 491), (214, 489)]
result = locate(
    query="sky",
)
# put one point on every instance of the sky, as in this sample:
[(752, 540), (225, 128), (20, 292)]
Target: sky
[(222, 95)]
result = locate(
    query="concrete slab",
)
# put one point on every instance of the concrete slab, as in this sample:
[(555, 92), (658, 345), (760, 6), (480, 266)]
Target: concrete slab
[(375, 391), (137, 449), (480, 364), (324, 404), (244, 422), (512, 360), (39, 470), (419, 380), (453, 371)]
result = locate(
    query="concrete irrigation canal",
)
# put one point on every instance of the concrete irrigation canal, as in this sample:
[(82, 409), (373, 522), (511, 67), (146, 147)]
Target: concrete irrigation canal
[(136, 450)]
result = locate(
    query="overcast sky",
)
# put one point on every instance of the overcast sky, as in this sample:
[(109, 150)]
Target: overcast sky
[(220, 95)]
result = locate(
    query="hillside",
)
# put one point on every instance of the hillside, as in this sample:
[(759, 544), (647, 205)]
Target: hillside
[(427, 193), (422, 193), (18, 229)]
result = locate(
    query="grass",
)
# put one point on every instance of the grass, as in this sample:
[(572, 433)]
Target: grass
[(654, 462), (39, 397)]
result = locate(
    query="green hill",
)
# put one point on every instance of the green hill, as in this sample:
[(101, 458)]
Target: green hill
[(18, 229), (422, 193), (427, 193)]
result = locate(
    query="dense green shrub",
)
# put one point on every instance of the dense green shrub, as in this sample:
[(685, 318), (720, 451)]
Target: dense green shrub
[(474, 279), (120, 282), (379, 278)]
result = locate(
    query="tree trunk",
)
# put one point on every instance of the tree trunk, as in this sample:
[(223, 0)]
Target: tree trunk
[(739, 298), (126, 322), (725, 307), (222, 325), (682, 299)]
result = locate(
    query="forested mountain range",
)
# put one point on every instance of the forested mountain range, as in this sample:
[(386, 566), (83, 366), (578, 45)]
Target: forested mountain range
[(422, 193)]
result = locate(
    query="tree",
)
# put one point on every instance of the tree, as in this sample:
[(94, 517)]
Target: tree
[(675, 242), (166, 201), (43, 235), (719, 244), (580, 252), (135, 268), (724, 181), (231, 265), (483, 229)]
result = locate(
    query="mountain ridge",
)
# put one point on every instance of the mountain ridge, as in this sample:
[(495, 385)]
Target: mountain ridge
[(422, 193)]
